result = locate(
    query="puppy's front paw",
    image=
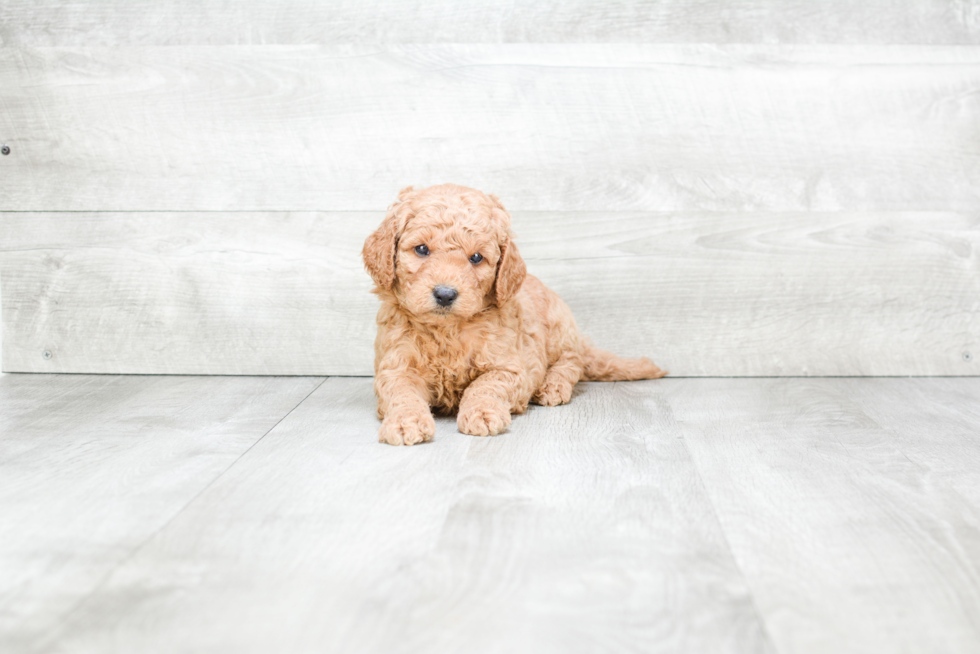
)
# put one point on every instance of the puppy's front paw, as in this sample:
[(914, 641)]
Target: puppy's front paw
[(483, 418), (407, 428), (554, 392)]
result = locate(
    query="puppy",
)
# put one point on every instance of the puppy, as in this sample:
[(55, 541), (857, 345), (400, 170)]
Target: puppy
[(462, 327)]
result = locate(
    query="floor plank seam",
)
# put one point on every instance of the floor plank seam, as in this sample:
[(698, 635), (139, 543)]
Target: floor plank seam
[(55, 633), (724, 534)]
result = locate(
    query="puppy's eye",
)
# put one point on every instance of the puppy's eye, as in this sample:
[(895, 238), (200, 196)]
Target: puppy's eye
[(422, 250), (476, 258)]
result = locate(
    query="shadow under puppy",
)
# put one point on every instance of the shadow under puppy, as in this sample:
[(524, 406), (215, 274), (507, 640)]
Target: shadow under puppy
[(462, 327)]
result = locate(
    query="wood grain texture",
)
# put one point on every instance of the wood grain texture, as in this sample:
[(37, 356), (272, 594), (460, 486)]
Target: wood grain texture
[(258, 22), (603, 127), (703, 294), (93, 466), (796, 516), (584, 529), (849, 504), (947, 410), (149, 293)]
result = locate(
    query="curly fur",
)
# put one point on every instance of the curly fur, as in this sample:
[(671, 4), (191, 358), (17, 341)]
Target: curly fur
[(506, 340)]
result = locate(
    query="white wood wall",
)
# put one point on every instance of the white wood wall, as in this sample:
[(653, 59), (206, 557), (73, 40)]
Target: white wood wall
[(731, 188)]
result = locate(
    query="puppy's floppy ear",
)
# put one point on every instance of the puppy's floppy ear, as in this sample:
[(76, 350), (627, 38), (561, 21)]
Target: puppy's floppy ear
[(510, 272), (510, 268), (380, 247)]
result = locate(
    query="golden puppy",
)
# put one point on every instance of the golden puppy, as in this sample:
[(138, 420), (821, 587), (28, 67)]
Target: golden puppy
[(462, 326)]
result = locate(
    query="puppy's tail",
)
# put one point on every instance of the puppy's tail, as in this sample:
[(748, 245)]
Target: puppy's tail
[(606, 366)]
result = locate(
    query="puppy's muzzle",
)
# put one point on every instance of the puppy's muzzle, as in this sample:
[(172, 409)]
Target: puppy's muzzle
[(445, 295)]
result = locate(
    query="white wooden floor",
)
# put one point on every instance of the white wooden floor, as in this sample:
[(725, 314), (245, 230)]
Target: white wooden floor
[(259, 514)]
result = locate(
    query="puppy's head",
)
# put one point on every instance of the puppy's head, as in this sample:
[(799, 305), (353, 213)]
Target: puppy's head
[(445, 253)]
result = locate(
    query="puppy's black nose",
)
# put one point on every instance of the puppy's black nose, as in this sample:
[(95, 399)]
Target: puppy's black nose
[(444, 295)]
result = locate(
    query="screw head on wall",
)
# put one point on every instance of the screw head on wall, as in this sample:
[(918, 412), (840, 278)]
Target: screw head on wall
[(4, 149), (46, 354), (967, 357)]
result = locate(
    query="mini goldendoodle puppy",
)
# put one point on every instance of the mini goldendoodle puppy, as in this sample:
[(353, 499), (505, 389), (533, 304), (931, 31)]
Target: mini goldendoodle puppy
[(462, 327)]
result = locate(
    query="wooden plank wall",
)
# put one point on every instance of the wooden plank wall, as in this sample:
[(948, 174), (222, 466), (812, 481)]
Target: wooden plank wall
[(731, 188)]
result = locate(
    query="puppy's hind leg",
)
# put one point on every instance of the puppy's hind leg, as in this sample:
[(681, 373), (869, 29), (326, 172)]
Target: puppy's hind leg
[(560, 380)]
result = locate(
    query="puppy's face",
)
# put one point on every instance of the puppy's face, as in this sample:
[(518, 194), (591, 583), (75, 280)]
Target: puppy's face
[(445, 253), (446, 263)]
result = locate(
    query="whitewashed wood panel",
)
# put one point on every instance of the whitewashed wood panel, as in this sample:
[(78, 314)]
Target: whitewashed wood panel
[(583, 529), (598, 127), (605, 525), (854, 536), (946, 410), (257, 22), (703, 294), (92, 466), (150, 293)]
